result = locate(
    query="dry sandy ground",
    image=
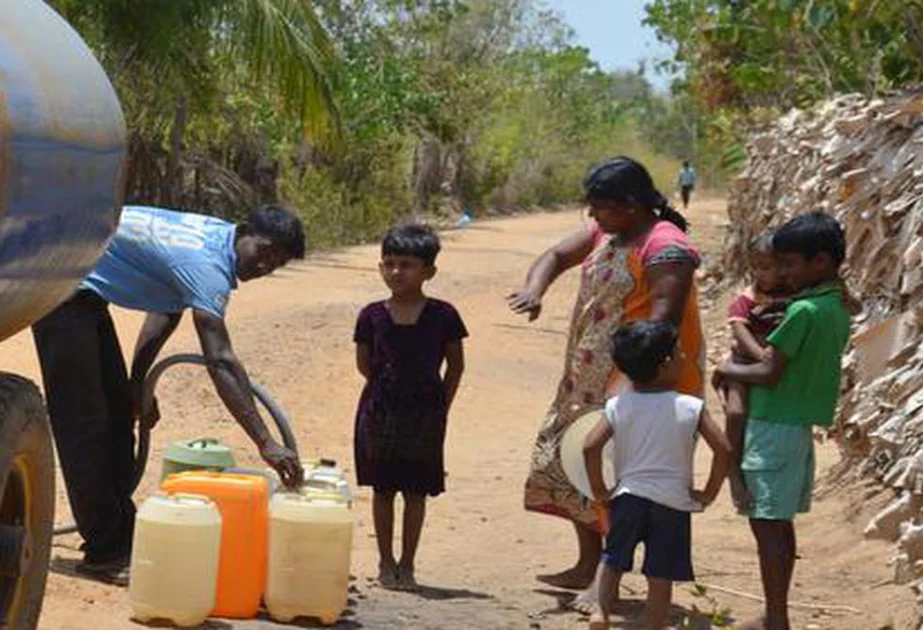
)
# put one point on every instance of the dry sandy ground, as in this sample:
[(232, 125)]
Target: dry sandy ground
[(480, 550)]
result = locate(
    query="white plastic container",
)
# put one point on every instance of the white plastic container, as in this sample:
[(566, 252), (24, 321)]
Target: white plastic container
[(326, 479), (310, 542), (174, 559)]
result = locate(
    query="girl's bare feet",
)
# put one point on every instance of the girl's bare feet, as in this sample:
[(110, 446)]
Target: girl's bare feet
[(406, 580), (575, 579), (388, 576), (754, 624)]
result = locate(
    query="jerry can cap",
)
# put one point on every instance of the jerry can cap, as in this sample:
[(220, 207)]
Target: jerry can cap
[(204, 452)]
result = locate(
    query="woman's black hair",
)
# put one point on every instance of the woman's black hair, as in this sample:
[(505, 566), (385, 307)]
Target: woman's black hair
[(412, 239), (622, 179)]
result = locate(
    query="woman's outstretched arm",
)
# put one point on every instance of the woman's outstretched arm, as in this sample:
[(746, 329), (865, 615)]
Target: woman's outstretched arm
[(568, 253)]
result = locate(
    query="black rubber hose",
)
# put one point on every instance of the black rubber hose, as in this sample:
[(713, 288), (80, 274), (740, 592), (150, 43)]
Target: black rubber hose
[(147, 399)]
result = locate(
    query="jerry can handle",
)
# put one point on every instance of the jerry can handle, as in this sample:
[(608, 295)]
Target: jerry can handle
[(190, 497)]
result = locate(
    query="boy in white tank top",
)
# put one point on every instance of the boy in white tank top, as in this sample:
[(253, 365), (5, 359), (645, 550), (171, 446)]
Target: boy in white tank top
[(654, 429)]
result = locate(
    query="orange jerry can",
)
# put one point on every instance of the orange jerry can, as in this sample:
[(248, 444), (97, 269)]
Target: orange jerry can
[(243, 501)]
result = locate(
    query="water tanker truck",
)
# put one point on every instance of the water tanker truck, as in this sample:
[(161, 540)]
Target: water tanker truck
[(62, 161)]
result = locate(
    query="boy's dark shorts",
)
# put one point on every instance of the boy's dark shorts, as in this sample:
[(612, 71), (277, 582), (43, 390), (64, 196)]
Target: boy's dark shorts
[(665, 532)]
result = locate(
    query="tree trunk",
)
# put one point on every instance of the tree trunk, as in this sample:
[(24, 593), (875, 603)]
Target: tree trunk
[(172, 196), (427, 177)]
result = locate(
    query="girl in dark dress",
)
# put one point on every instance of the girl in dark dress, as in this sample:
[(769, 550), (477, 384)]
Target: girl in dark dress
[(401, 344)]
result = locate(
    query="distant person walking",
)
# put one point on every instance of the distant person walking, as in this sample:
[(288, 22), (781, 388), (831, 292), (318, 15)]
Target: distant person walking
[(687, 176)]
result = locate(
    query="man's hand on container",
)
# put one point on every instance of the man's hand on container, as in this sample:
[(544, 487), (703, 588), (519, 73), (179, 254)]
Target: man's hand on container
[(285, 462)]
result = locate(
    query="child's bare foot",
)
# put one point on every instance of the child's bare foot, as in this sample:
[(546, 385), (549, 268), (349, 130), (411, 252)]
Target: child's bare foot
[(575, 579), (754, 624), (587, 602), (406, 580), (598, 621), (388, 576)]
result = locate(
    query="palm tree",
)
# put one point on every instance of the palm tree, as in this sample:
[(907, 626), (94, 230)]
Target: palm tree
[(174, 59)]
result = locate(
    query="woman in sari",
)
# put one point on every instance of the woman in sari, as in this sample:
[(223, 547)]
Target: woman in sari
[(636, 263)]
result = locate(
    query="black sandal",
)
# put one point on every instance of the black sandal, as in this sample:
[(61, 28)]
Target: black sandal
[(115, 572)]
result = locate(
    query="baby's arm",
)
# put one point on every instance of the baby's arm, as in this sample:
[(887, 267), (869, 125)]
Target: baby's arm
[(721, 461), (455, 365), (746, 342), (363, 360), (768, 371)]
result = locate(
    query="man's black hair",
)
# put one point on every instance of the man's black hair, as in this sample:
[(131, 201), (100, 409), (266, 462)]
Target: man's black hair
[(281, 226), (812, 234), (640, 348), (412, 239)]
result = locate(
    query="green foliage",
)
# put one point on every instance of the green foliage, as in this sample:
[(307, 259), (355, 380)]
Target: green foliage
[(713, 613), (782, 52), (361, 112), (336, 213), (482, 105), (742, 59), (186, 47)]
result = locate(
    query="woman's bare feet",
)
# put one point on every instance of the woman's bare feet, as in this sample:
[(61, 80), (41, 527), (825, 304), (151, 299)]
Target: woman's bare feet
[(388, 576), (574, 579), (598, 621)]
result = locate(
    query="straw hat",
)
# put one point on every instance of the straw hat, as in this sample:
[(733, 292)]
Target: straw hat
[(571, 451)]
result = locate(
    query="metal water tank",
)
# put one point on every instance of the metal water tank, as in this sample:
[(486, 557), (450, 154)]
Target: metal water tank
[(62, 160)]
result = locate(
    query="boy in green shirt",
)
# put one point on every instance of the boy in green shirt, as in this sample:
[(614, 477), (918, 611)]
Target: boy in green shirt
[(794, 388)]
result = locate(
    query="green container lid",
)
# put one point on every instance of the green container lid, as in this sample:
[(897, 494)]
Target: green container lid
[(202, 453)]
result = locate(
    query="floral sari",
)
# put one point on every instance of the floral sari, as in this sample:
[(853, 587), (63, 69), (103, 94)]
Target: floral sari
[(613, 291)]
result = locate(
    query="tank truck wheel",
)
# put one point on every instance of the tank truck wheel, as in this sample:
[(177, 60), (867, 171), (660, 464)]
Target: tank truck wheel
[(27, 502)]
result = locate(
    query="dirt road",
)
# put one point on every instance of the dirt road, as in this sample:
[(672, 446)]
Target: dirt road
[(480, 550)]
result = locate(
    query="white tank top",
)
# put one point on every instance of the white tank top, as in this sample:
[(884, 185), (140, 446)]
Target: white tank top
[(654, 435)]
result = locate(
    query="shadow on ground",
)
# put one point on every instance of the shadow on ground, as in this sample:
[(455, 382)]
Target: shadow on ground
[(628, 614), (439, 593)]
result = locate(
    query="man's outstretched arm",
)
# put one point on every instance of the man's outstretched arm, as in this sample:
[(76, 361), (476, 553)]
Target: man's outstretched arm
[(233, 386)]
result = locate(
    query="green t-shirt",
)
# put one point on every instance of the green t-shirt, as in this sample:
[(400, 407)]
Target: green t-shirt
[(812, 337)]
